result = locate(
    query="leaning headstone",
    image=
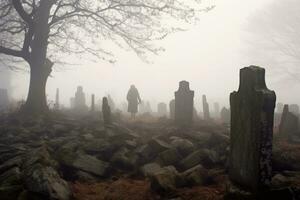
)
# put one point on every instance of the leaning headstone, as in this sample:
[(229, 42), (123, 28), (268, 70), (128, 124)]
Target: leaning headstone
[(184, 104), (252, 114), (162, 109), (206, 114), (172, 109), (106, 112), (289, 124), (225, 115), (294, 108)]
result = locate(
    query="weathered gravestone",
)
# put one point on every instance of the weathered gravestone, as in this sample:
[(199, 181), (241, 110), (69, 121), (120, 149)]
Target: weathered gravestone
[(206, 114), (106, 112), (225, 115), (252, 114), (4, 101), (162, 109), (79, 101), (172, 108), (184, 104), (288, 126)]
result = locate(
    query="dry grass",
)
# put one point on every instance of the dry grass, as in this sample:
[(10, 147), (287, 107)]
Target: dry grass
[(128, 189)]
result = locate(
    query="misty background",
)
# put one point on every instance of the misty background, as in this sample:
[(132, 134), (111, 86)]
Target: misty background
[(208, 55)]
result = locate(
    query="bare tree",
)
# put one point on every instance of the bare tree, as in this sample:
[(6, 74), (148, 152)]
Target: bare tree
[(39, 31), (275, 33)]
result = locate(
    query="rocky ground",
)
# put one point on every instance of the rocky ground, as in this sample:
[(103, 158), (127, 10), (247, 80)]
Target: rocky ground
[(59, 157)]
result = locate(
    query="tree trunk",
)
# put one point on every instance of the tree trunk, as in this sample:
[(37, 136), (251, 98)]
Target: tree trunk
[(40, 66), (36, 102)]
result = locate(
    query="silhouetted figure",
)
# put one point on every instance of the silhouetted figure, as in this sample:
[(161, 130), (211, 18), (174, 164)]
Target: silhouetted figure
[(106, 111), (133, 98)]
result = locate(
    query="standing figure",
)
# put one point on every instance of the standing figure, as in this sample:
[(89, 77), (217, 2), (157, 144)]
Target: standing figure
[(133, 98)]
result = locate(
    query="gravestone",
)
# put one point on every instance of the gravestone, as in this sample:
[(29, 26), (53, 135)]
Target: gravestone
[(172, 109), (252, 114), (206, 114), (79, 101), (93, 103), (4, 101), (162, 109), (289, 124), (106, 112), (217, 110), (56, 105), (184, 104), (225, 115), (294, 108), (279, 107)]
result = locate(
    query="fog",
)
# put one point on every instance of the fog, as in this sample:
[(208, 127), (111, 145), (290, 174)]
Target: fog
[(208, 55)]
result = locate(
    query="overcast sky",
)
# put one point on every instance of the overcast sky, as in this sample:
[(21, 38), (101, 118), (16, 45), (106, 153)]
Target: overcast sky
[(209, 56)]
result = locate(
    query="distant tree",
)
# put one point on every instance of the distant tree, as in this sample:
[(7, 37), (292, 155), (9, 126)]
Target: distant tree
[(40, 31), (275, 31)]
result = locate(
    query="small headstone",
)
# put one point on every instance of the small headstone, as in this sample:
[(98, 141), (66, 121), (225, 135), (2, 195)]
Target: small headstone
[(252, 115), (206, 114), (279, 107), (184, 104), (162, 109), (172, 109), (225, 115), (289, 123), (106, 111), (93, 103)]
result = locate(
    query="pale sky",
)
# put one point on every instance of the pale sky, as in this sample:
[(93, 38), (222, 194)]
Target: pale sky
[(209, 56)]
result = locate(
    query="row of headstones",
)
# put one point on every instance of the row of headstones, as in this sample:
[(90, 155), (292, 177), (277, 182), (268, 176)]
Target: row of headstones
[(224, 114)]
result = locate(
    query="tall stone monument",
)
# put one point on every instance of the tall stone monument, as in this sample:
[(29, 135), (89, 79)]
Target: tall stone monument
[(162, 109), (252, 114), (206, 114), (172, 109), (184, 104)]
